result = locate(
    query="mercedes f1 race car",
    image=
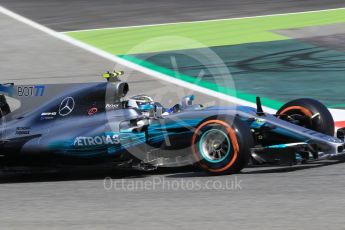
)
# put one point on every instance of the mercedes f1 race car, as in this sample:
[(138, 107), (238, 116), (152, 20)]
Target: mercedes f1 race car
[(91, 124)]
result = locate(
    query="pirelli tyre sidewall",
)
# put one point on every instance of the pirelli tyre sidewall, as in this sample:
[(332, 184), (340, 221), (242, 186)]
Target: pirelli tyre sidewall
[(318, 116), (232, 137)]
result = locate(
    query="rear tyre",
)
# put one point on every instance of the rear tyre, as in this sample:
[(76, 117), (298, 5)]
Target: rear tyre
[(308, 113), (222, 147)]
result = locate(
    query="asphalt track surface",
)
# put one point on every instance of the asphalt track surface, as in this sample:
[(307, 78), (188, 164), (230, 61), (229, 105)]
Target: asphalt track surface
[(302, 197), (66, 15)]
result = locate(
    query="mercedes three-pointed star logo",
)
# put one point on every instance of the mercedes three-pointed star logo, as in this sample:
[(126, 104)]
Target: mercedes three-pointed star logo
[(66, 106)]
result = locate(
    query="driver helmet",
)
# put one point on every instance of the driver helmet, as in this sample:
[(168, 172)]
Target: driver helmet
[(142, 102)]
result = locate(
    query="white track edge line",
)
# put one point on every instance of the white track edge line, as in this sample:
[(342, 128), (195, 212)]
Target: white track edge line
[(124, 62), (203, 21)]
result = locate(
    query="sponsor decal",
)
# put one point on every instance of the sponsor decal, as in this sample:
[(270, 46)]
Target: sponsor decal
[(48, 115), (66, 106), (97, 140), (23, 130), (31, 91), (112, 106), (92, 111)]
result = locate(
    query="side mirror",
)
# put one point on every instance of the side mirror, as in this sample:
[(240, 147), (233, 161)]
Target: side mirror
[(187, 101)]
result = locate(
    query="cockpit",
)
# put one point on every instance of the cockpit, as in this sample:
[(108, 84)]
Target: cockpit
[(117, 91)]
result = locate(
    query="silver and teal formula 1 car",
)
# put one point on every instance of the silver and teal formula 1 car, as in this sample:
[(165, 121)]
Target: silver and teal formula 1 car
[(91, 124)]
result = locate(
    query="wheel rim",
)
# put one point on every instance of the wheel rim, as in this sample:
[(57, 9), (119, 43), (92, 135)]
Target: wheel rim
[(301, 119), (299, 114), (214, 145)]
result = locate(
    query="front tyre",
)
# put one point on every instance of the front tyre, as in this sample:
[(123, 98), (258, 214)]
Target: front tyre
[(308, 113), (222, 147)]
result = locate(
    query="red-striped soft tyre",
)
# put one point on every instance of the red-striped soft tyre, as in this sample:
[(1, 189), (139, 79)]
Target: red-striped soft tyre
[(308, 113), (222, 145)]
